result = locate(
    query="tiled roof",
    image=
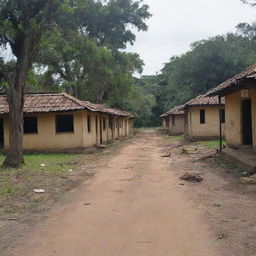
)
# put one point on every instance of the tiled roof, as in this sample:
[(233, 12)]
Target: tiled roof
[(178, 110), (203, 100), (250, 72), (46, 102), (56, 102), (108, 110)]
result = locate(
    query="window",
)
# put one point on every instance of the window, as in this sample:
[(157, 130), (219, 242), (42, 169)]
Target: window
[(202, 116), (104, 123), (222, 116), (30, 124), (89, 123), (173, 120), (64, 123)]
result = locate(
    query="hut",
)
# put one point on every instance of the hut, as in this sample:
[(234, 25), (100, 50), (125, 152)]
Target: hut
[(60, 122), (175, 119), (240, 97), (165, 122), (202, 116)]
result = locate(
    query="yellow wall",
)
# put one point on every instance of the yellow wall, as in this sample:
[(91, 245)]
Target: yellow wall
[(210, 129), (178, 127), (48, 139), (165, 123), (234, 133), (89, 138)]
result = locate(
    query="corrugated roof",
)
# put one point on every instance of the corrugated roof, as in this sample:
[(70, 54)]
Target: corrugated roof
[(250, 72), (57, 102), (178, 110)]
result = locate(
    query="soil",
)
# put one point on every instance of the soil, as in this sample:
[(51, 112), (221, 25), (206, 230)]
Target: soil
[(135, 204)]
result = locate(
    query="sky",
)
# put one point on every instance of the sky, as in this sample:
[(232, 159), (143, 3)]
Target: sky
[(175, 24)]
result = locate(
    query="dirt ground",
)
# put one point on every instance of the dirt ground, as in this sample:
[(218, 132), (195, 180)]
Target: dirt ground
[(136, 204)]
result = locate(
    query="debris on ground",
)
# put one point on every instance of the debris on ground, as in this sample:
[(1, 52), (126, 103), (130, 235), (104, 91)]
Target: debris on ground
[(192, 176), (248, 180), (217, 205), (70, 170), (189, 150), (222, 236), (203, 158), (39, 190), (166, 155), (42, 165), (101, 146)]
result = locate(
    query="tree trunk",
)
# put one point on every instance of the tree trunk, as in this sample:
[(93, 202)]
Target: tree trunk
[(15, 98)]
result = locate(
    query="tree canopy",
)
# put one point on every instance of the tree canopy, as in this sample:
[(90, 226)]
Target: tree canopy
[(77, 45), (206, 65)]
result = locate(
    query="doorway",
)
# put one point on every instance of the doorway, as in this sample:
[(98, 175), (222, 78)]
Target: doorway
[(247, 121), (101, 140), (96, 127), (1, 133)]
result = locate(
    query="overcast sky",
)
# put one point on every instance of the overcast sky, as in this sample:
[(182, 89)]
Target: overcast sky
[(177, 23)]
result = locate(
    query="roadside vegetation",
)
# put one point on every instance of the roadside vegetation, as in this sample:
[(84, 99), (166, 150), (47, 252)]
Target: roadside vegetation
[(179, 138), (53, 173), (212, 143), (48, 172)]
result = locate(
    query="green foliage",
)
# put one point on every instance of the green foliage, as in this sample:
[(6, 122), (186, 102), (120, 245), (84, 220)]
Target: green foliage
[(89, 63), (215, 144), (206, 65)]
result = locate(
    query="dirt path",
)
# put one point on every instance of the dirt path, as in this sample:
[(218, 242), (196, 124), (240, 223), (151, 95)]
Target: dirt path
[(132, 207)]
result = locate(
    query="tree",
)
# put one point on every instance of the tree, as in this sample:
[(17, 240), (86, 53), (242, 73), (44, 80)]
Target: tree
[(250, 2), (88, 63), (207, 64), (22, 24)]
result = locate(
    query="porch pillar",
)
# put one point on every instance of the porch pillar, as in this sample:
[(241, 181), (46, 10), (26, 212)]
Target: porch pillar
[(220, 124)]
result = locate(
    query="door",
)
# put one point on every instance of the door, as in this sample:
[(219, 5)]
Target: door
[(101, 140), (247, 121), (111, 127), (96, 127), (1, 133)]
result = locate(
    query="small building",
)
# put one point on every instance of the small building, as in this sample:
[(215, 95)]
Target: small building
[(240, 97), (60, 122), (202, 116), (165, 122), (175, 119)]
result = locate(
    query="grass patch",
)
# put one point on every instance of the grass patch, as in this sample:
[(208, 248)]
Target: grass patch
[(211, 143), (44, 171), (170, 138), (230, 167)]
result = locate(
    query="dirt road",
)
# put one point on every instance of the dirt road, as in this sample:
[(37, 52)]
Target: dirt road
[(134, 206)]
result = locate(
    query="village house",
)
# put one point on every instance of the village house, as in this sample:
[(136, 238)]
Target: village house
[(202, 115), (240, 97), (60, 122), (175, 120), (165, 122)]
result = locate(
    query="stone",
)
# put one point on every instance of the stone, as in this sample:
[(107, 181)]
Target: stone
[(192, 177), (248, 180)]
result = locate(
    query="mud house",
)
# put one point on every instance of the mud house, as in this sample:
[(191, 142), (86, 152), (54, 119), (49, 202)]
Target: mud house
[(240, 97), (202, 116), (59, 122), (165, 122), (175, 119)]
